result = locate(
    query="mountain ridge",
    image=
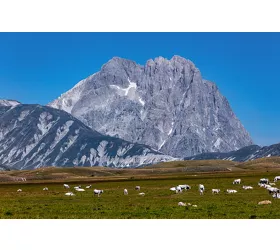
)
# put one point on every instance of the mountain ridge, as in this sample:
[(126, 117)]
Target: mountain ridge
[(33, 136), (245, 154)]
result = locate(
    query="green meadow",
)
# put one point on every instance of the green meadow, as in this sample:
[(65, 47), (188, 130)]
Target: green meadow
[(158, 203)]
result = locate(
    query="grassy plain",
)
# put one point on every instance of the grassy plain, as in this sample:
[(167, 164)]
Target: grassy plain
[(159, 201)]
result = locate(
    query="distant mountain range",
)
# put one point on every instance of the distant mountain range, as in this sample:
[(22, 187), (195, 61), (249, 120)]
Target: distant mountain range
[(33, 136), (252, 152)]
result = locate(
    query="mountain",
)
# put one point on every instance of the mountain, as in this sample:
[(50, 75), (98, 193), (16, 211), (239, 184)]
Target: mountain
[(32, 136), (242, 154), (164, 104), (8, 103), (252, 152)]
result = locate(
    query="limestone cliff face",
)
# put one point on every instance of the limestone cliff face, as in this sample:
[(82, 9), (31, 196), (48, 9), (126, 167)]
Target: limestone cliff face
[(165, 104)]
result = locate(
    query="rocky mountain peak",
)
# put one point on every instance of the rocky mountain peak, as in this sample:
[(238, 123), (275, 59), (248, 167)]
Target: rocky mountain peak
[(165, 104)]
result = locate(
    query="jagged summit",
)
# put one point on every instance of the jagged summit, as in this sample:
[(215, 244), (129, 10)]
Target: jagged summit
[(165, 104)]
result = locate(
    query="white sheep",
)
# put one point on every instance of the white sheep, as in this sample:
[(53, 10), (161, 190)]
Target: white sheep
[(19, 190), (231, 191), (264, 202), (201, 189), (97, 192), (247, 187), (276, 195), (236, 181), (137, 188), (277, 178), (88, 186), (77, 187), (45, 189), (80, 190), (185, 187), (178, 189), (215, 191), (272, 190), (263, 181), (141, 194), (66, 186), (181, 204), (125, 192), (69, 194)]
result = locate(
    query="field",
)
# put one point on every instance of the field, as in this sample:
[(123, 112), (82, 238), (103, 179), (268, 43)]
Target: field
[(158, 202)]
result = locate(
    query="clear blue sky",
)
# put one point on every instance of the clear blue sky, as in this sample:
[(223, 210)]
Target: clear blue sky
[(38, 67)]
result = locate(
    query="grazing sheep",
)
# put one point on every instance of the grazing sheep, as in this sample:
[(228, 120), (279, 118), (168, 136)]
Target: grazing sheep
[(125, 192), (19, 190), (201, 189), (182, 204), (277, 178), (231, 191), (263, 181), (264, 202), (178, 190), (97, 192), (141, 194), (88, 186), (247, 187), (273, 190), (69, 194), (137, 188), (45, 189), (215, 191), (184, 187), (77, 187), (236, 181), (66, 186), (276, 195)]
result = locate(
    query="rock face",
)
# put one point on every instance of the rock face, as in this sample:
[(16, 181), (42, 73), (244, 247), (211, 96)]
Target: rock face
[(164, 104), (32, 136)]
